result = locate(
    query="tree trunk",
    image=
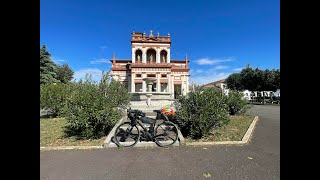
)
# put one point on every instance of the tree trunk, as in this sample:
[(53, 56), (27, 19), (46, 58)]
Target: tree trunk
[(251, 98)]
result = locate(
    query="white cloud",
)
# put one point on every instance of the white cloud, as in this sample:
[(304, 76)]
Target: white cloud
[(207, 61), (237, 69), (95, 73), (100, 61), (204, 79), (58, 60), (196, 71), (199, 70), (221, 67), (204, 76)]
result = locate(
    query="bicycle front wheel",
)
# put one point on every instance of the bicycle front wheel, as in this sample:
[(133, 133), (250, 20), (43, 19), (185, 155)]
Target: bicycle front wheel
[(166, 134), (126, 135)]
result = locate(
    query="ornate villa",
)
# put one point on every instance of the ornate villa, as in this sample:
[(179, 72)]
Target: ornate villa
[(151, 60)]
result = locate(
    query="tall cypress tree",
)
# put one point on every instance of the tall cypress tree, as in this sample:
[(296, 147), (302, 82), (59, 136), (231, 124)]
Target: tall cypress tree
[(48, 68)]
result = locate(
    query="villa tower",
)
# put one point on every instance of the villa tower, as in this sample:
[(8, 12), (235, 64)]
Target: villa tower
[(151, 59)]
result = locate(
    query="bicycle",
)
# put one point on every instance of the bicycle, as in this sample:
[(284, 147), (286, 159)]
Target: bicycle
[(164, 134)]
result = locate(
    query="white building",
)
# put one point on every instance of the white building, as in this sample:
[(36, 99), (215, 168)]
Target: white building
[(247, 94)]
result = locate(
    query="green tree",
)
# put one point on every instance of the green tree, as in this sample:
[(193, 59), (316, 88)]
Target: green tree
[(260, 77), (248, 79), (271, 81), (64, 73), (234, 82), (260, 80), (276, 79), (48, 68), (53, 97), (93, 108)]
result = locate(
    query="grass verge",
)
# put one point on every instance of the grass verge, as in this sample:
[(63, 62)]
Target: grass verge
[(234, 131), (51, 134)]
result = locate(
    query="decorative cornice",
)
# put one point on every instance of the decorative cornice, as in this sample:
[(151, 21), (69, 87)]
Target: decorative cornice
[(136, 65)]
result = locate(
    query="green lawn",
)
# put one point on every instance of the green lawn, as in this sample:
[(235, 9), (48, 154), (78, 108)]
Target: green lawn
[(51, 134), (234, 131)]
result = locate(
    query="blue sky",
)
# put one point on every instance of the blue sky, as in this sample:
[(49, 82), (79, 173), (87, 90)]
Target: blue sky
[(220, 37)]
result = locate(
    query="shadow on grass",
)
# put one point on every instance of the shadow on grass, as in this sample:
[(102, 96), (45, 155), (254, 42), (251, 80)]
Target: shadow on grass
[(79, 133), (46, 116)]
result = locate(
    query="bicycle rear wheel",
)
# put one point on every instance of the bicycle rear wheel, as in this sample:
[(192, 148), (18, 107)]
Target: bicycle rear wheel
[(166, 134), (126, 135)]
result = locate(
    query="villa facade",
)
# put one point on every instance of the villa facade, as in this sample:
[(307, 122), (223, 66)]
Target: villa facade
[(151, 59)]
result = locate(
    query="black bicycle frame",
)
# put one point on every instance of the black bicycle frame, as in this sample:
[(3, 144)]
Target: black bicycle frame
[(135, 120), (150, 136)]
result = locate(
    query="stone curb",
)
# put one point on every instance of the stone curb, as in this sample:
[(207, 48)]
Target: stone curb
[(69, 148), (182, 141), (245, 139), (111, 133), (142, 144)]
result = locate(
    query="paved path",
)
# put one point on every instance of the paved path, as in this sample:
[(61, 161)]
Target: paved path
[(258, 160)]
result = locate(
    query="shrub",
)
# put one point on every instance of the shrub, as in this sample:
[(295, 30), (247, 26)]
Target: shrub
[(53, 97), (201, 111), (92, 108), (236, 102), (115, 93)]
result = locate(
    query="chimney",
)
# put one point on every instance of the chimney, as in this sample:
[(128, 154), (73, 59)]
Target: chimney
[(114, 58), (186, 61)]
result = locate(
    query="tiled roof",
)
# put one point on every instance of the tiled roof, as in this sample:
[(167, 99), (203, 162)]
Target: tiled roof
[(178, 61), (121, 60), (215, 82)]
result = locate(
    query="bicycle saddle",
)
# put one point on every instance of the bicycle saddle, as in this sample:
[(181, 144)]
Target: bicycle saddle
[(157, 111), (147, 120)]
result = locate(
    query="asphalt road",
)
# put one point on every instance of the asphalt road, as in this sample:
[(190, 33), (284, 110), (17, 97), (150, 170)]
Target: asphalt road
[(260, 159)]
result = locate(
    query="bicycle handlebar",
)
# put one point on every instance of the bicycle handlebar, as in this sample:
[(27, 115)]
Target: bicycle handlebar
[(136, 111)]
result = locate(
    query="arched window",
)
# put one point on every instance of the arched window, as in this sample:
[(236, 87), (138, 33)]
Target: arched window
[(163, 56), (138, 56), (151, 56)]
